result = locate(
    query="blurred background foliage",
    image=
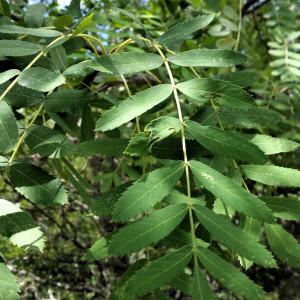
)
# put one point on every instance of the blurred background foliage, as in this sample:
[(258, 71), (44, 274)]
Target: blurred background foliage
[(269, 30)]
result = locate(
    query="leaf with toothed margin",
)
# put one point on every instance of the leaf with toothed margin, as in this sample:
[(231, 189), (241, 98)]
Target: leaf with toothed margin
[(159, 272), (230, 192), (133, 106), (148, 230), (229, 276), (283, 244), (234, 237), (148, 191), (273, 175)]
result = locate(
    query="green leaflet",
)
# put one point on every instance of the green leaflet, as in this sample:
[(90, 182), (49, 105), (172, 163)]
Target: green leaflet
[(230, 192), (207, 58), (183, 29), (225, 143), (35, 15), (286, 208), (105, 146), (202, 89), (104, 204), (271, 145), (9, 288), (241, 78), (149, 230), (201, 289), (41, 32), (59, 57), (67, 100), (36, 184), (8, 128), (148, 191), (273, 175), (133, 107), (18, 48), (19, 227), (48, 142), (20, 96), (160, 271), (283, 244), (138, 145), (40, 79), (7, 75), (184, 283), (229, 276), (84, 24), (98, 250), (234, 237), (126, 63), (162, 127), (78, 70), (249, 117)]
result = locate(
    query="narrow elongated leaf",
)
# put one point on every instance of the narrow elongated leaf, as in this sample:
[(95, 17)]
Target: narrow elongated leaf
[(41, 32), (207, 58), (271, 145), (18, 48), (201, 89), (126, 63), (149, 230), (230, 192), (40, 79), (229, 276), (20, 96), (234, 237), (37, 185), (148, 191), (107, 146), (273, 175), (241, 78), (286, 208), (133, 107), (183, 29), (99, 250), (159, 272), (225, 142), (184, 283), (201, 289), (8, 128), (19, 227), (283, 244), (7, 75), (249, 117), (9, 288)]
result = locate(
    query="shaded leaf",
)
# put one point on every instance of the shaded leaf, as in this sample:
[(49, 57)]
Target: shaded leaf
[(160, 271), (9, 288), (7, 75), (36, 184), (41, 32)]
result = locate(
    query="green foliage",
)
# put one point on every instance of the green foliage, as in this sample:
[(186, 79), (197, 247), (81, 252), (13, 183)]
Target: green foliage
[(145, 121)]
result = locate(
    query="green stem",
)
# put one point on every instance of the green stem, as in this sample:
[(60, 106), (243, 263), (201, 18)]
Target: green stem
[(23, 135), (31, 64), (236, 47), (183, 140)]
